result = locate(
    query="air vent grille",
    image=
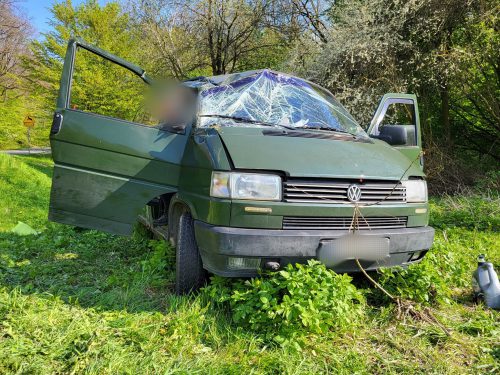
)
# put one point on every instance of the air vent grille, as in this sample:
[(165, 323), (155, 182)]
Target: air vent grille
[(335, 191), (343, 223)]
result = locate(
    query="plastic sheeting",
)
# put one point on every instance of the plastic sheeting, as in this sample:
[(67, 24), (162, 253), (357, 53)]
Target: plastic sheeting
[(274, 98)]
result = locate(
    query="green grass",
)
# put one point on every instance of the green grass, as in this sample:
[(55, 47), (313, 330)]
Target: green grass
[(88, 302), (13, 109)]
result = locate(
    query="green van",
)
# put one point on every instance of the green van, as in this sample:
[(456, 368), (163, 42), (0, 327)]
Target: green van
[(268, 169)]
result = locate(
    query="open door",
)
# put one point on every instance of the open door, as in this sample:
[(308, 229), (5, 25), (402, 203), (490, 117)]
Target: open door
[(397, 122), (110, 158)]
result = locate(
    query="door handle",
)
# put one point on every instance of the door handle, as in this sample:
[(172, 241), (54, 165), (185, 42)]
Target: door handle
[(56, 123)]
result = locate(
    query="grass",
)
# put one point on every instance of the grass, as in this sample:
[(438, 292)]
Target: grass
[(86, 302)]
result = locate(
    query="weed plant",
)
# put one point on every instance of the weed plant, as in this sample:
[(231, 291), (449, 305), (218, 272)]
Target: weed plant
[(300, 299)]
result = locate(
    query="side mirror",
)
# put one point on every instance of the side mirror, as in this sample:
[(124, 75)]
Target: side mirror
[(174, 128), (395, 135)]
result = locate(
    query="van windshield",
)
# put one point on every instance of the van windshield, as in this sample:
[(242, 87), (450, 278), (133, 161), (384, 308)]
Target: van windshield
[(276, 99)]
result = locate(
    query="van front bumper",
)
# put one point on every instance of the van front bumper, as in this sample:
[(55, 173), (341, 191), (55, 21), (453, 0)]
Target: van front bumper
[(224, 249)]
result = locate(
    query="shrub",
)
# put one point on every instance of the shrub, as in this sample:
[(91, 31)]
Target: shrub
[(282, 306), (420, 283), (489, 182), (159, 264)]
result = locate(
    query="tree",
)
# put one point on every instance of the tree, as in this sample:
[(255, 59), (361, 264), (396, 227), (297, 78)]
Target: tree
[(14, 33), (295, 17), (170, 45), (98, 85), (211, 37), (445, 51), (475, 93), (14, 104), (226, 29)]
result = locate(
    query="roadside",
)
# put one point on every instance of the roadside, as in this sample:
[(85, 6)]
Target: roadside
[(31, 151)]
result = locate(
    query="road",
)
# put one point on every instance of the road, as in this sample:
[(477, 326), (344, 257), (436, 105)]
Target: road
[(33, 151)]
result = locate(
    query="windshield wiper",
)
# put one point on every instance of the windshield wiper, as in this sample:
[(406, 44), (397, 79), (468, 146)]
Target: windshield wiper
[(326, 128), (248, 120)]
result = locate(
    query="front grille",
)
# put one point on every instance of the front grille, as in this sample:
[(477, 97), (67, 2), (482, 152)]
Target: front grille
[(343, 223), (335, 191)]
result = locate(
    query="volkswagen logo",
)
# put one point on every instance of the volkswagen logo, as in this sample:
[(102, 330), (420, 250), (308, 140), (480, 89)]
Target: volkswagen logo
[(354, 193)]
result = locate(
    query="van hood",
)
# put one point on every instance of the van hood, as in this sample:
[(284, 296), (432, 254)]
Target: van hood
[(299, 155)]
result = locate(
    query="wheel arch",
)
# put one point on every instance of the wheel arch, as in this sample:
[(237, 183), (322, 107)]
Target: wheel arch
[(177, 207)]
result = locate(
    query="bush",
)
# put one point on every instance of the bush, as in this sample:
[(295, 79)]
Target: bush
[(283, 306), (471, 212), (421, 283)]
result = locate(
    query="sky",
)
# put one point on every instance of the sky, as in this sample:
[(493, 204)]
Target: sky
[(39, 14)]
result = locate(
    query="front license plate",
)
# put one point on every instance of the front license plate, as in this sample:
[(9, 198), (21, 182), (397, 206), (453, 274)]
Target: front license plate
[(353, 246)]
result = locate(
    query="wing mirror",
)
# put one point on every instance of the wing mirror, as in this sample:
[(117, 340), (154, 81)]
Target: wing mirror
[(395, 135), (174, 128)]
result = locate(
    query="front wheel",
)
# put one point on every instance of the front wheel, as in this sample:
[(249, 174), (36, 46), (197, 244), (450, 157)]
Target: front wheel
[(190, 274)]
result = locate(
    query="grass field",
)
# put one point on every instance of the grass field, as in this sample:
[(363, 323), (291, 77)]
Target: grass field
[(86, 302)]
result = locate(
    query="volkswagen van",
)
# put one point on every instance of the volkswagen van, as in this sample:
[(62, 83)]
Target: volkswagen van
[(265, 169)]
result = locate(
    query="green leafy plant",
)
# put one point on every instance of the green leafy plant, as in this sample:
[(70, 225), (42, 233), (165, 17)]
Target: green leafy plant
[(423, 282), (158, 264), (427, 282), (296, 300)]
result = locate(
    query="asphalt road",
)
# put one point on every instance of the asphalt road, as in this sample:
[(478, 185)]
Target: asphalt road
[(33, 151)]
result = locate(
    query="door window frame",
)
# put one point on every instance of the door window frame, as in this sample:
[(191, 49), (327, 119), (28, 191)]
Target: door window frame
[(63, 99), (381, 111)]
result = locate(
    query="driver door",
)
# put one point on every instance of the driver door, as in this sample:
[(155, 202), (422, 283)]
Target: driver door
[(110, 159), (400, 110)]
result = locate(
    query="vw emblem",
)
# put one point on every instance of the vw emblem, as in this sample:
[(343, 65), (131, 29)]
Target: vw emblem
[(354, 193)]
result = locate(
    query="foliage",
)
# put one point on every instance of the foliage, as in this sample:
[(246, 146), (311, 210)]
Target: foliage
[(421, 283), (298, 299), (475, 90), (473, 212), (489, 182), (100, 86), (14, 106), (15, 103), (14, 32), (210, 37), (446, 52), (448, 266), (81, 301)]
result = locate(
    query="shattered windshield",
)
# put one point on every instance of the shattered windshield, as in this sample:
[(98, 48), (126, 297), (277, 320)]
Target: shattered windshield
[(272, 98)]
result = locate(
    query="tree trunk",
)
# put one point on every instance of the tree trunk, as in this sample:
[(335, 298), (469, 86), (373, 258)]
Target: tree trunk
[(445, 115)]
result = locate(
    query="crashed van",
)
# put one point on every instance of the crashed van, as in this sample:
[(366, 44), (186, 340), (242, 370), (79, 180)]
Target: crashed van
[(269, 169)]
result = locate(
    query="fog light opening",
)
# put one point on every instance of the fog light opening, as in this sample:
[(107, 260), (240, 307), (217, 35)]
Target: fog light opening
[(243, 263)]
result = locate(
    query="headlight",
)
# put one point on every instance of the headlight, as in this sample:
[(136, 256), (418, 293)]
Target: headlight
[(416, 191), (260, 187)]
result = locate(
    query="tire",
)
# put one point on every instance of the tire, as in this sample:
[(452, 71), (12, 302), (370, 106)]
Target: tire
[(189, 272)]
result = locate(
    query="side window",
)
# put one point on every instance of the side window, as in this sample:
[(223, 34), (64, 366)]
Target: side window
[(399, 114), (105, 88)]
